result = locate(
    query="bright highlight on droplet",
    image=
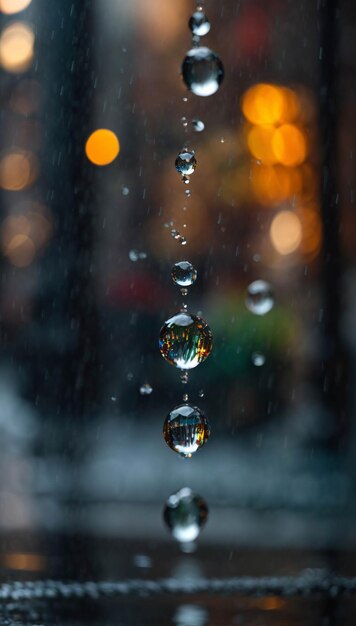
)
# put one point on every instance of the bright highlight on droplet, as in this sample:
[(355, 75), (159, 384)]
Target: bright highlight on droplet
[(286, 232), (102, 147), (9, 7), (17, 47)]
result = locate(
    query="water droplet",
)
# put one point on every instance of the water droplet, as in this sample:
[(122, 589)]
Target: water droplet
[(186, 162), (222, 140), (185, 180), (187, 192), (184, 377), (186, 429), (130, 376), (113, 398), (260, 297), (178, 237), (258, 359), (185, 340), (185, 514), (146, 389), (256, 258), (185, 99), (185, 397), (125, 191), (136, 255), (184, 274), (199, 24), (198, 125), (184, 121), (202, 71), (201, 393), (184, 291)]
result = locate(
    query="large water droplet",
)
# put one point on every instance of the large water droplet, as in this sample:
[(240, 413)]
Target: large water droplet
[(199, 24), (258, 359), (186, 429), (202, 71), (185, 514), (185, 340), (184, 274), (260, 297), (198, 125), (186, 162)]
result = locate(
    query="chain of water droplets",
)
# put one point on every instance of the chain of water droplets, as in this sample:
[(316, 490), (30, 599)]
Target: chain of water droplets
[(311, 581)]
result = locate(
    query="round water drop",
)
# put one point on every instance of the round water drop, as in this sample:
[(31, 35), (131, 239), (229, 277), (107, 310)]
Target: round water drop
[(185, 340), (186, 162), (199, 24), (185, 397), (184, 291), (125, 191), (185, 180), (184, 377), (184, 274), (258, 359), (184, 121), (186, 429), (185, 513), (260, 297), (202, 71), (198, 125), (146, 389)]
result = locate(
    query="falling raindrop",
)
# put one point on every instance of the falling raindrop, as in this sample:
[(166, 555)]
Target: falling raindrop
[(184, 274), (199, 24), (185, 340), (186, 429), (258, 359), (146, 389), (185, 513), (202, 71), (186, 162), (198, 125), (260, 297)]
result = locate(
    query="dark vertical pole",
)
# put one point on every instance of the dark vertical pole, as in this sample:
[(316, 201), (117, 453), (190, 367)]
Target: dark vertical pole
[(333, 361)]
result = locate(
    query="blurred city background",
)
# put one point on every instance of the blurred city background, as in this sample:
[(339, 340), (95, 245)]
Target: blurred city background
[(86, 256)]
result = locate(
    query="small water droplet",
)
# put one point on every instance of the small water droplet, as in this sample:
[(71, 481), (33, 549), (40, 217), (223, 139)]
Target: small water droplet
[(184, 377), (136, 255), (201, 393), (222, 140), (202, 71), (178, 237), (146, 389), (258, 359), (185, 513), (125, 191), (185, 99), (260, 297), (184, 291), (185, 340), (130, 376), (256, 258), (186, 429), (185, 180), (184, 274), (199, 23), (186, 162), (185, 397), (187, 193), (184, 121), (198, 125), (113, 398)]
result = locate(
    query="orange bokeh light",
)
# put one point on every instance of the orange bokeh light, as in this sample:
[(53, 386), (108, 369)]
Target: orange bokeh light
[(24, 561), (289, 145), (259, 141), (18, 170), (286, 232), (16, 47), (102, 147), (263, 104), (13, 6), (273, 184)]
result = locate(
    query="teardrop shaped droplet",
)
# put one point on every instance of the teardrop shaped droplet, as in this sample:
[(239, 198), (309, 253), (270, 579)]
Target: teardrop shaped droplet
[(185, 513), (260, 297), (202, 71), (185, 340), (184, 274), (186, 162), (199, 24), (186, 429)]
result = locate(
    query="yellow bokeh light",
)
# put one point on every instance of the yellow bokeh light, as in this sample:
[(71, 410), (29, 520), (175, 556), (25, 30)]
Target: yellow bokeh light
[(13, 6), (291, 105), (311, 229), (263, 104), (18, 170), (289, 145), (102, 147), (259, 141), (274, 184), (16, 47), (286, 232)]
